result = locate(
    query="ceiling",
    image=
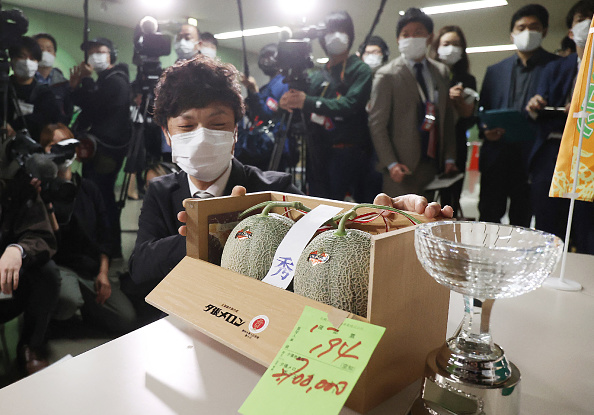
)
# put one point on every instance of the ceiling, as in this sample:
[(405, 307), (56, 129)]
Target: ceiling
[(482, 27)]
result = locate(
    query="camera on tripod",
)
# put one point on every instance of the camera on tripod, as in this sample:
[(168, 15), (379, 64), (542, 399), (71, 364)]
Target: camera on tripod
[(149, 46), (295, 57)]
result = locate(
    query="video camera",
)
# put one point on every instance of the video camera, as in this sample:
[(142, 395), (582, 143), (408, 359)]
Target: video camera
[(149, 46), (23, 159), (294, 55)]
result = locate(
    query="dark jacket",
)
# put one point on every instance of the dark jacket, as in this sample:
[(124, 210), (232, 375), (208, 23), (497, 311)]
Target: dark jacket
[(159, 247), (83, 238), (495, 95), (24, 221), (60, 87), (45, 107), (556, 84), (105, 107)]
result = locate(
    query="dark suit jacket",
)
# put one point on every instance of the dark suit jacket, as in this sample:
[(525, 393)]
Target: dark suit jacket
[(159, 247), (556, 82), (495, 95)]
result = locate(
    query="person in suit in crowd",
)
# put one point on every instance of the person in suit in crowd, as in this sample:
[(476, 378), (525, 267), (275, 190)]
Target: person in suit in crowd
[(197, 104), (449, 47), (410, 114), (509, 84), (556, 89)]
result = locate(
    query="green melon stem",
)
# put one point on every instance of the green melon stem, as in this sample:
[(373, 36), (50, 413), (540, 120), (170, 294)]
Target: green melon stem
[(271, 204), (352, 213)]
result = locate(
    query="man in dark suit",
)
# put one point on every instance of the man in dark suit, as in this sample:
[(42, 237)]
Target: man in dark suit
[(555, 90), (197, 104), (509, 84)]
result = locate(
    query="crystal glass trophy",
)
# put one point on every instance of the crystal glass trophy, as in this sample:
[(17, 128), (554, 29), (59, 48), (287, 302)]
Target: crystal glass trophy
[(470, 374)]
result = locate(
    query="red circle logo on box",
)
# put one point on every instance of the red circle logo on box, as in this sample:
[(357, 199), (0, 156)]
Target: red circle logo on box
[(258, 324)]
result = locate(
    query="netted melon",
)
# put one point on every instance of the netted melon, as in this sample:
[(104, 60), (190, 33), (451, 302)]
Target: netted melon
[(334, 267), (252, 244)]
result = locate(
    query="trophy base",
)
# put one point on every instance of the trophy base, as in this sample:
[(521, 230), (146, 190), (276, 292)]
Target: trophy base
[(445, 394)]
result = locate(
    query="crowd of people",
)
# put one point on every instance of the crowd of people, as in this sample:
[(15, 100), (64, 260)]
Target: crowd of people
[(374, 127)]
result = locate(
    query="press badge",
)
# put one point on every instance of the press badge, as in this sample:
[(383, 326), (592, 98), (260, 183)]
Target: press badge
[(429, 120)]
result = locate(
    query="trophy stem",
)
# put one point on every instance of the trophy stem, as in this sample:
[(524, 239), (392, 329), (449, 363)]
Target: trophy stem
[(473, 337)]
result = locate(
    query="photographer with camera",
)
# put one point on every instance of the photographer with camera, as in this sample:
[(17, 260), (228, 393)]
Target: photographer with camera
[(84, 245), (105, 105), (34, 101), (339, 148), (29, 280)]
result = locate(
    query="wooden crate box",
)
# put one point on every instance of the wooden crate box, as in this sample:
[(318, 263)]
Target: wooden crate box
[(403, 298)]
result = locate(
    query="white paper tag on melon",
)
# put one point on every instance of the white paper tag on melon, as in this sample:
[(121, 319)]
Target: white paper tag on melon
[(288, 252)]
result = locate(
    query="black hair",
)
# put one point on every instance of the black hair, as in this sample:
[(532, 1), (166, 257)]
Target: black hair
[(339, 21), (25, 43), (196, 83), (267, 61), (535, 10), (414, 15), (376, 41), (48, 37), (568, 43), (209, 37), (583, 7)]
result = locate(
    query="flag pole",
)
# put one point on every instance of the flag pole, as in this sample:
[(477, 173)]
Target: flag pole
[(561, 283)]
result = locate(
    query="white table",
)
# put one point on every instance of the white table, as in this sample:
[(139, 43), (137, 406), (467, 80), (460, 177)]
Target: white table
[(169, 368)]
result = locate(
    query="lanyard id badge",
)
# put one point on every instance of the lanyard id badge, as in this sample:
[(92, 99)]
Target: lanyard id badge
[(429, 120)]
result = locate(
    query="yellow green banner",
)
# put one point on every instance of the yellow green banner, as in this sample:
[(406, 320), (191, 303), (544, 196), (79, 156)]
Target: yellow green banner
[(568, 158)]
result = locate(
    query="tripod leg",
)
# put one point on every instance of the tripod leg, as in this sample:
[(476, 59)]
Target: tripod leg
[(279, 146)]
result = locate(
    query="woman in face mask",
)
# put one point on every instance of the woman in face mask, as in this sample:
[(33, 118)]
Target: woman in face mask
[(449, 47)]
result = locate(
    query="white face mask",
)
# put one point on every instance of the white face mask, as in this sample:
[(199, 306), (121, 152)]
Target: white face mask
[(449, 54), (47, 59), (337, 43), (98, 61), (25, 68), (413, 48), (580, 32), (373, 60), (185, 48), (528, 40), (209, 52), (204, 154)]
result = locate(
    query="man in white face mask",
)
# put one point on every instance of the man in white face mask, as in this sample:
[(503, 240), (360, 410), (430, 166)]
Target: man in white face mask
[(48, 74), (374, 52), (197, 105), (340, 152), (187, 42), (105, 105), (35, 101), (509, 84), (410, 116), (555, 90)]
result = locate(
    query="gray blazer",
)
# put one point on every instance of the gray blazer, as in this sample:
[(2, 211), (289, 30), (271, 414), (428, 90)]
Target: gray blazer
[(393, 120)]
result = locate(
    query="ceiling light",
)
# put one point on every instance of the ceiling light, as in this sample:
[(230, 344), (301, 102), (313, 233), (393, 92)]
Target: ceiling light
[(495, 48), (322, 60), (193, 21), (458, 7), (297, 8), (249, 32)]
